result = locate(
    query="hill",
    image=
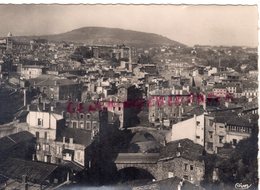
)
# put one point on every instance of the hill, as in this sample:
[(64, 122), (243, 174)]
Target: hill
[(102, 35)]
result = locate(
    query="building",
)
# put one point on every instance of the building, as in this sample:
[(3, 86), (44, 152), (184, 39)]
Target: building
[(183, 159), (31, 71), (193, 127), (65, 131), (225, 128), (57, 88), (220, 91), (126, 104)]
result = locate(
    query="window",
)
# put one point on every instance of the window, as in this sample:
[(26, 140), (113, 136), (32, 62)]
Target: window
[(88, 126), (210, 134), (39, 121), (197, 137), (81, 116), (45, 135), (191, 167), (81, 125), (210, 146), (221, 139), (186, 177), (185, 167), (170, 174), (210, 122), (234, 142), (198, 122), (37, 134), (119, 108), (74, 125), (38, 147), (88, 116)]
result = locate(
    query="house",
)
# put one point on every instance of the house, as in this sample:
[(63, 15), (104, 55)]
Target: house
[(225, 127), (43, 123), (193, 127), (183, 159), (65, 131)]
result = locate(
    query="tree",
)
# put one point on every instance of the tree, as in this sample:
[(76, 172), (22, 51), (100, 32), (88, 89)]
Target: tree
[(242, 166)]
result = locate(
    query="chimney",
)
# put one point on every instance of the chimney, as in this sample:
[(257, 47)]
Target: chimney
[(52, 109), (63, 140), (25, 182), (24, 97), (28, 107), (43, 106), (71, 140)]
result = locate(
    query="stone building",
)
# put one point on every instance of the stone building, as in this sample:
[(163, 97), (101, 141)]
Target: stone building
[(182, 159)]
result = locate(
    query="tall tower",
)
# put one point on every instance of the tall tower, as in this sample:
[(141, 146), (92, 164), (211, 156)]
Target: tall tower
[(9, 41)]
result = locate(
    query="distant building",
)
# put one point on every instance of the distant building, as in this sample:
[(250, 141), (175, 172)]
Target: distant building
[(57, 88), (31, 71)]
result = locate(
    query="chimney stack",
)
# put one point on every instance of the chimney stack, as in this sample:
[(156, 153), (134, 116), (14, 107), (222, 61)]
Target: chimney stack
[(25, 182), (24, 97)]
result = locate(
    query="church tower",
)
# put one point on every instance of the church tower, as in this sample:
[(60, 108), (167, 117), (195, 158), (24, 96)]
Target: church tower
[(9, 41)]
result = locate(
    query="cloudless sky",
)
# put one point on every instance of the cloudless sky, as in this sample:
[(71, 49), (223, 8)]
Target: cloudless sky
[(205, 25)]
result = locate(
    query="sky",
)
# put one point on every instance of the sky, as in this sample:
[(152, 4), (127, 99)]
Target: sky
[(203, 25)]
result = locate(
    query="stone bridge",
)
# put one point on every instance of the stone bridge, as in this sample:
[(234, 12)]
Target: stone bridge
[(144, 161)]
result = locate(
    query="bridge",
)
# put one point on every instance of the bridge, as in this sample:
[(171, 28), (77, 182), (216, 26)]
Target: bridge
[(142, 161)]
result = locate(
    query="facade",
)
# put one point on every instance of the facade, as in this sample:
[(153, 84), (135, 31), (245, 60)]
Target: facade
[(193, 127), (223, 129), (31, 71), (182, 159), (64, 138)]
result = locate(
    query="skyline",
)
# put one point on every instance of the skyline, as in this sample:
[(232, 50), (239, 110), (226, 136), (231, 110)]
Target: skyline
[(203, 25)]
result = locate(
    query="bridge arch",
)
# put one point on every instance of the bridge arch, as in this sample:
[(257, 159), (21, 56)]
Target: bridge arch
[(134, 173)]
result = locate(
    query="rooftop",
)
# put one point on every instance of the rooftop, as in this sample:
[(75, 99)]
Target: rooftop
[(185, 147)]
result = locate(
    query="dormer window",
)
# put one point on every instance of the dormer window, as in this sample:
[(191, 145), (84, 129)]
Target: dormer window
[(88, 116)]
